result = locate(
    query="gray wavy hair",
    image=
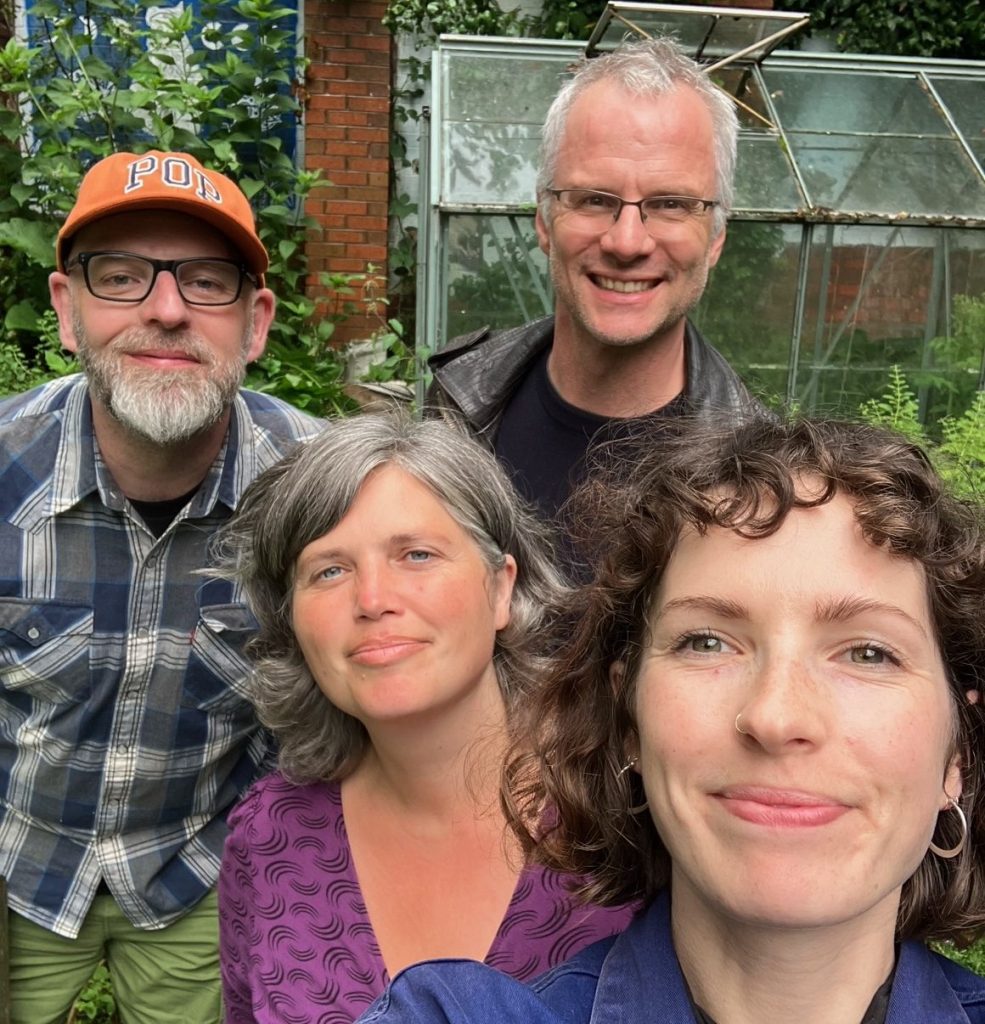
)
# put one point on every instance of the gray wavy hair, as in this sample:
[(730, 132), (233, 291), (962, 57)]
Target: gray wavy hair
[(654, 67), (305, 496)]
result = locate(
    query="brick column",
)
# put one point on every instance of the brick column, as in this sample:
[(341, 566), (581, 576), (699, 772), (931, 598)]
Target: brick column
[(347, 137)]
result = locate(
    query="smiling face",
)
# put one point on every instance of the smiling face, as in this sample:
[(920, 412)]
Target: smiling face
[(825, 803), (622, 285), (165, 369), (395, 609)]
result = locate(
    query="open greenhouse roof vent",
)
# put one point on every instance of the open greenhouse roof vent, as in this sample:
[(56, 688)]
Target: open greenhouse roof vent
[(716, 36)]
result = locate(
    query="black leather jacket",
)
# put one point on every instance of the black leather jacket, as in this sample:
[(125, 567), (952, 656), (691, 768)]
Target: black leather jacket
[(475, 375)]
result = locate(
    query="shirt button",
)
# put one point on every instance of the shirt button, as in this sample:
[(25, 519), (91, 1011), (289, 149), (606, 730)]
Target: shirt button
[(33, 633)]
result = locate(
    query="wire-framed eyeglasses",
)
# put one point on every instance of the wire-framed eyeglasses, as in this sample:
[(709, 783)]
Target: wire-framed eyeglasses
[(127, 277), (599, 208)]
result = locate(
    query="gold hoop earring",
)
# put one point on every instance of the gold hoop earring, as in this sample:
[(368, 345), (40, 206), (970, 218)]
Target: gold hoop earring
[(952, 805)]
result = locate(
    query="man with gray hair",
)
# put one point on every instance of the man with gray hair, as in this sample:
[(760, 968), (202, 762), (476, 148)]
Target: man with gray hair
[(635, 184)]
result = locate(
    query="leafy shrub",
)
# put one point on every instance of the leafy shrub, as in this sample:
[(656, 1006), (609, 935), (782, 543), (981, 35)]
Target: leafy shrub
[(959, 453), (914, 28)]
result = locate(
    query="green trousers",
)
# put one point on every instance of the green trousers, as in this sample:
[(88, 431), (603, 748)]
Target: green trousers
[(168, 976)]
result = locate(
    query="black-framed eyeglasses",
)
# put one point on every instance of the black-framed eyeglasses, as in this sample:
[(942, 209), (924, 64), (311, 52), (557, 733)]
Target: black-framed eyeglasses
[(127, 277), (598, 208)]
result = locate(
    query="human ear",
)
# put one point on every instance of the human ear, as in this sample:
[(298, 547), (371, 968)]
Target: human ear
[(543, 233), (617, 672), (715, 248), (504, 579), (61, 302), (953, 786), (264, 305)]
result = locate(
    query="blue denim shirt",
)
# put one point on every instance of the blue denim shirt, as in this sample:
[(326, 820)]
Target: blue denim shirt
[(635, 978)]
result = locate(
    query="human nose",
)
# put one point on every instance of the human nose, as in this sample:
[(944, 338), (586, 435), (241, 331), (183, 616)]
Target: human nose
[(783, 709), (375, 592), (164, 304), (627, 237)]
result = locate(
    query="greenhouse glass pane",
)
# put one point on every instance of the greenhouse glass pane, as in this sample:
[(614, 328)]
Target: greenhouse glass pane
[(496, 273), (747, 311), (742, 83), (494, 107), (763, 177), (490, 164), (808, 100), (698, 31), (965, 102), (880, 297), (888, 176)]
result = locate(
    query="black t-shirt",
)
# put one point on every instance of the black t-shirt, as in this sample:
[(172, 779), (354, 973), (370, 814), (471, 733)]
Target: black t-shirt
[(159, 514), (543, 440)]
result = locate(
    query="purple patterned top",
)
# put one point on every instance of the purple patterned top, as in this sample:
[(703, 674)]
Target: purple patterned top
[(297, 946)]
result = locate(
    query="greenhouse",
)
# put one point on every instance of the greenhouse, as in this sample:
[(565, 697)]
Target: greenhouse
[(855, 244)]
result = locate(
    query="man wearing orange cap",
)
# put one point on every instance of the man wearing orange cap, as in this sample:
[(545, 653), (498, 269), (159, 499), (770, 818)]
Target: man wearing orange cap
[(125, 730)]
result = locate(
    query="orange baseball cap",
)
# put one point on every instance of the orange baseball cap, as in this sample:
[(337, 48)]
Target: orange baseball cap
[(165, 181)]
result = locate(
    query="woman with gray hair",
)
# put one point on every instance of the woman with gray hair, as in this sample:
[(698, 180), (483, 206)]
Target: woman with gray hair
[(401, 591)]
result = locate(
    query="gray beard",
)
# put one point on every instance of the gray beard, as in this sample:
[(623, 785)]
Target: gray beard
[(165, 408)]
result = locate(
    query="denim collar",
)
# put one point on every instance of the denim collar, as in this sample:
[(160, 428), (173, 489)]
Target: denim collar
[(641, 980)]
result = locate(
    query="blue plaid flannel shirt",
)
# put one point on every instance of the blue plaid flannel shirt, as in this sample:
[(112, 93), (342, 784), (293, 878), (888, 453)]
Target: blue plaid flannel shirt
[(125, 730)]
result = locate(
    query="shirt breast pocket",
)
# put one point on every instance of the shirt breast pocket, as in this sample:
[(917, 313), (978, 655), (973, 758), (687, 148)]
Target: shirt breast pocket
[(44, 649), (219, 674)]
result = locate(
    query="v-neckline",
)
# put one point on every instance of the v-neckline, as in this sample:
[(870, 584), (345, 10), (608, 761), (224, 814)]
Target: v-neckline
[(352, 875)]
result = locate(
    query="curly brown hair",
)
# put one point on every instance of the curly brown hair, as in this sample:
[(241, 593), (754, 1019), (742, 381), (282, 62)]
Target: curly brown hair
[(745, 478)]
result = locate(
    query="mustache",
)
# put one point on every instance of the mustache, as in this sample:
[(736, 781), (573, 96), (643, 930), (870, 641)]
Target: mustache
[(149, 339)]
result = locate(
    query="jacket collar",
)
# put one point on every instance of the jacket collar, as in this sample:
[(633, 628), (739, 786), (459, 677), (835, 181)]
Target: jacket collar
[(641, 980), (921, 991), (480, 371)]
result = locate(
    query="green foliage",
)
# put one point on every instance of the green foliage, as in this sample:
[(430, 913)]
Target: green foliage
[(20, 371), (556, 19), (957, 357), (69, 102), (973, 957), (897, 408), (565, 19), (959, 455), (434, 17), (96, 1004), (912, 28)]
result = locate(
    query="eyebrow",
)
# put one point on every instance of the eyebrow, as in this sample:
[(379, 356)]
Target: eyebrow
[(832, 609), (843, 608), (720, 606)]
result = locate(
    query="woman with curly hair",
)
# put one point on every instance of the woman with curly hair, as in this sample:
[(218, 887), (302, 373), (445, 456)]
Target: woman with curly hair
[(768, 726)]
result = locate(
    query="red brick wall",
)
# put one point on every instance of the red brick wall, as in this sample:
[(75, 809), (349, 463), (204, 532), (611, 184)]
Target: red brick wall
[(347, 138)]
